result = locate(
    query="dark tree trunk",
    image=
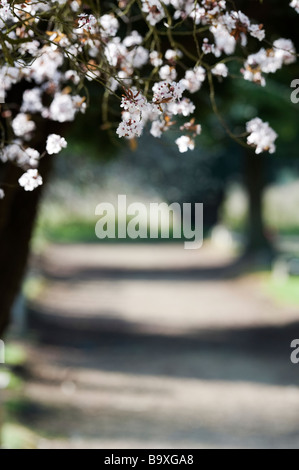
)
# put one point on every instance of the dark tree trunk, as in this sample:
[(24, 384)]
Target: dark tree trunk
[(18, 212), (255, 180)]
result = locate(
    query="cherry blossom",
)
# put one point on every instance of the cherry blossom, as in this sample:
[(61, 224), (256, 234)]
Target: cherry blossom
[(108, 25), (157, 128), (185, 143), (32, 101), (5, 10), (55, 143), (165, 92), (220, 70), (63, 108), (155, 10), (30, 180), (22, 125), (32, 156), (194, 79), (295, 4), (130, 128), (185, 107), (121, 49), (24, 157), (262, 136)]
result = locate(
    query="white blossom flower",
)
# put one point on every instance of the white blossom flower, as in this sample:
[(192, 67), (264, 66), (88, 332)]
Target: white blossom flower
[(32, 156), (79, 103), (55, 143), (73, 76), (32, 102), (5, 10), (188, 8), (167, 73), (185, 143), (130, 128), (207, 48), (75, 5), (155, 59), (133, 39), (30, 180), (115, 51), (220, 70), (184, 107), (45, 66), (157, 128), (108, 25), (14, 152), (261, 136), (295, 4), (9, 76), (137, 57), (122, 80), (224, 41), (194, 79), (2, 194), (31, 47), (257, 31), (285, 51), (173, 55), (22, 125), (165, 92), (48, 60), (64, 107), (86, 23), (11, 152), (155, 11), (269, 61), (253, 75), (190, 126), (134, 102)]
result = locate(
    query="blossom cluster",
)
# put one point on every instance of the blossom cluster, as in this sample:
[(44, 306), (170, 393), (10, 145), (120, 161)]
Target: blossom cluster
[(267, 61), (295, 4), (166, 102), (261, 136), (156, 86)]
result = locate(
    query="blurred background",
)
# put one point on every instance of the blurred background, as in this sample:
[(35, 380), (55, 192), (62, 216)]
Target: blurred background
[(136, 344)]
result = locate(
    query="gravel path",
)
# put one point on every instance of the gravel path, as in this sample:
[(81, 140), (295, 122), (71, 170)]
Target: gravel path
[(154, 346)]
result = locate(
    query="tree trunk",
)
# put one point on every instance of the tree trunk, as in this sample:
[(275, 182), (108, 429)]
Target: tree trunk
[(18, 212), (255, 181)]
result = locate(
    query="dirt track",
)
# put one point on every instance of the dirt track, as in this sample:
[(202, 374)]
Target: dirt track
[(153, 346)]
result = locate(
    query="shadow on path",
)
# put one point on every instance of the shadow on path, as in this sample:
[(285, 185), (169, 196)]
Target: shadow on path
[(258, 354)]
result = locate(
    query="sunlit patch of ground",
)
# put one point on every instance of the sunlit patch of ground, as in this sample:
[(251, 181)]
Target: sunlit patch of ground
[(143, 348)]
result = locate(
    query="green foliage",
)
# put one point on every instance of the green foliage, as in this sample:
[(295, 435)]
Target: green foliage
[(82, 230), (15, 436), (15, 354), (88, 135), (284, 292)]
